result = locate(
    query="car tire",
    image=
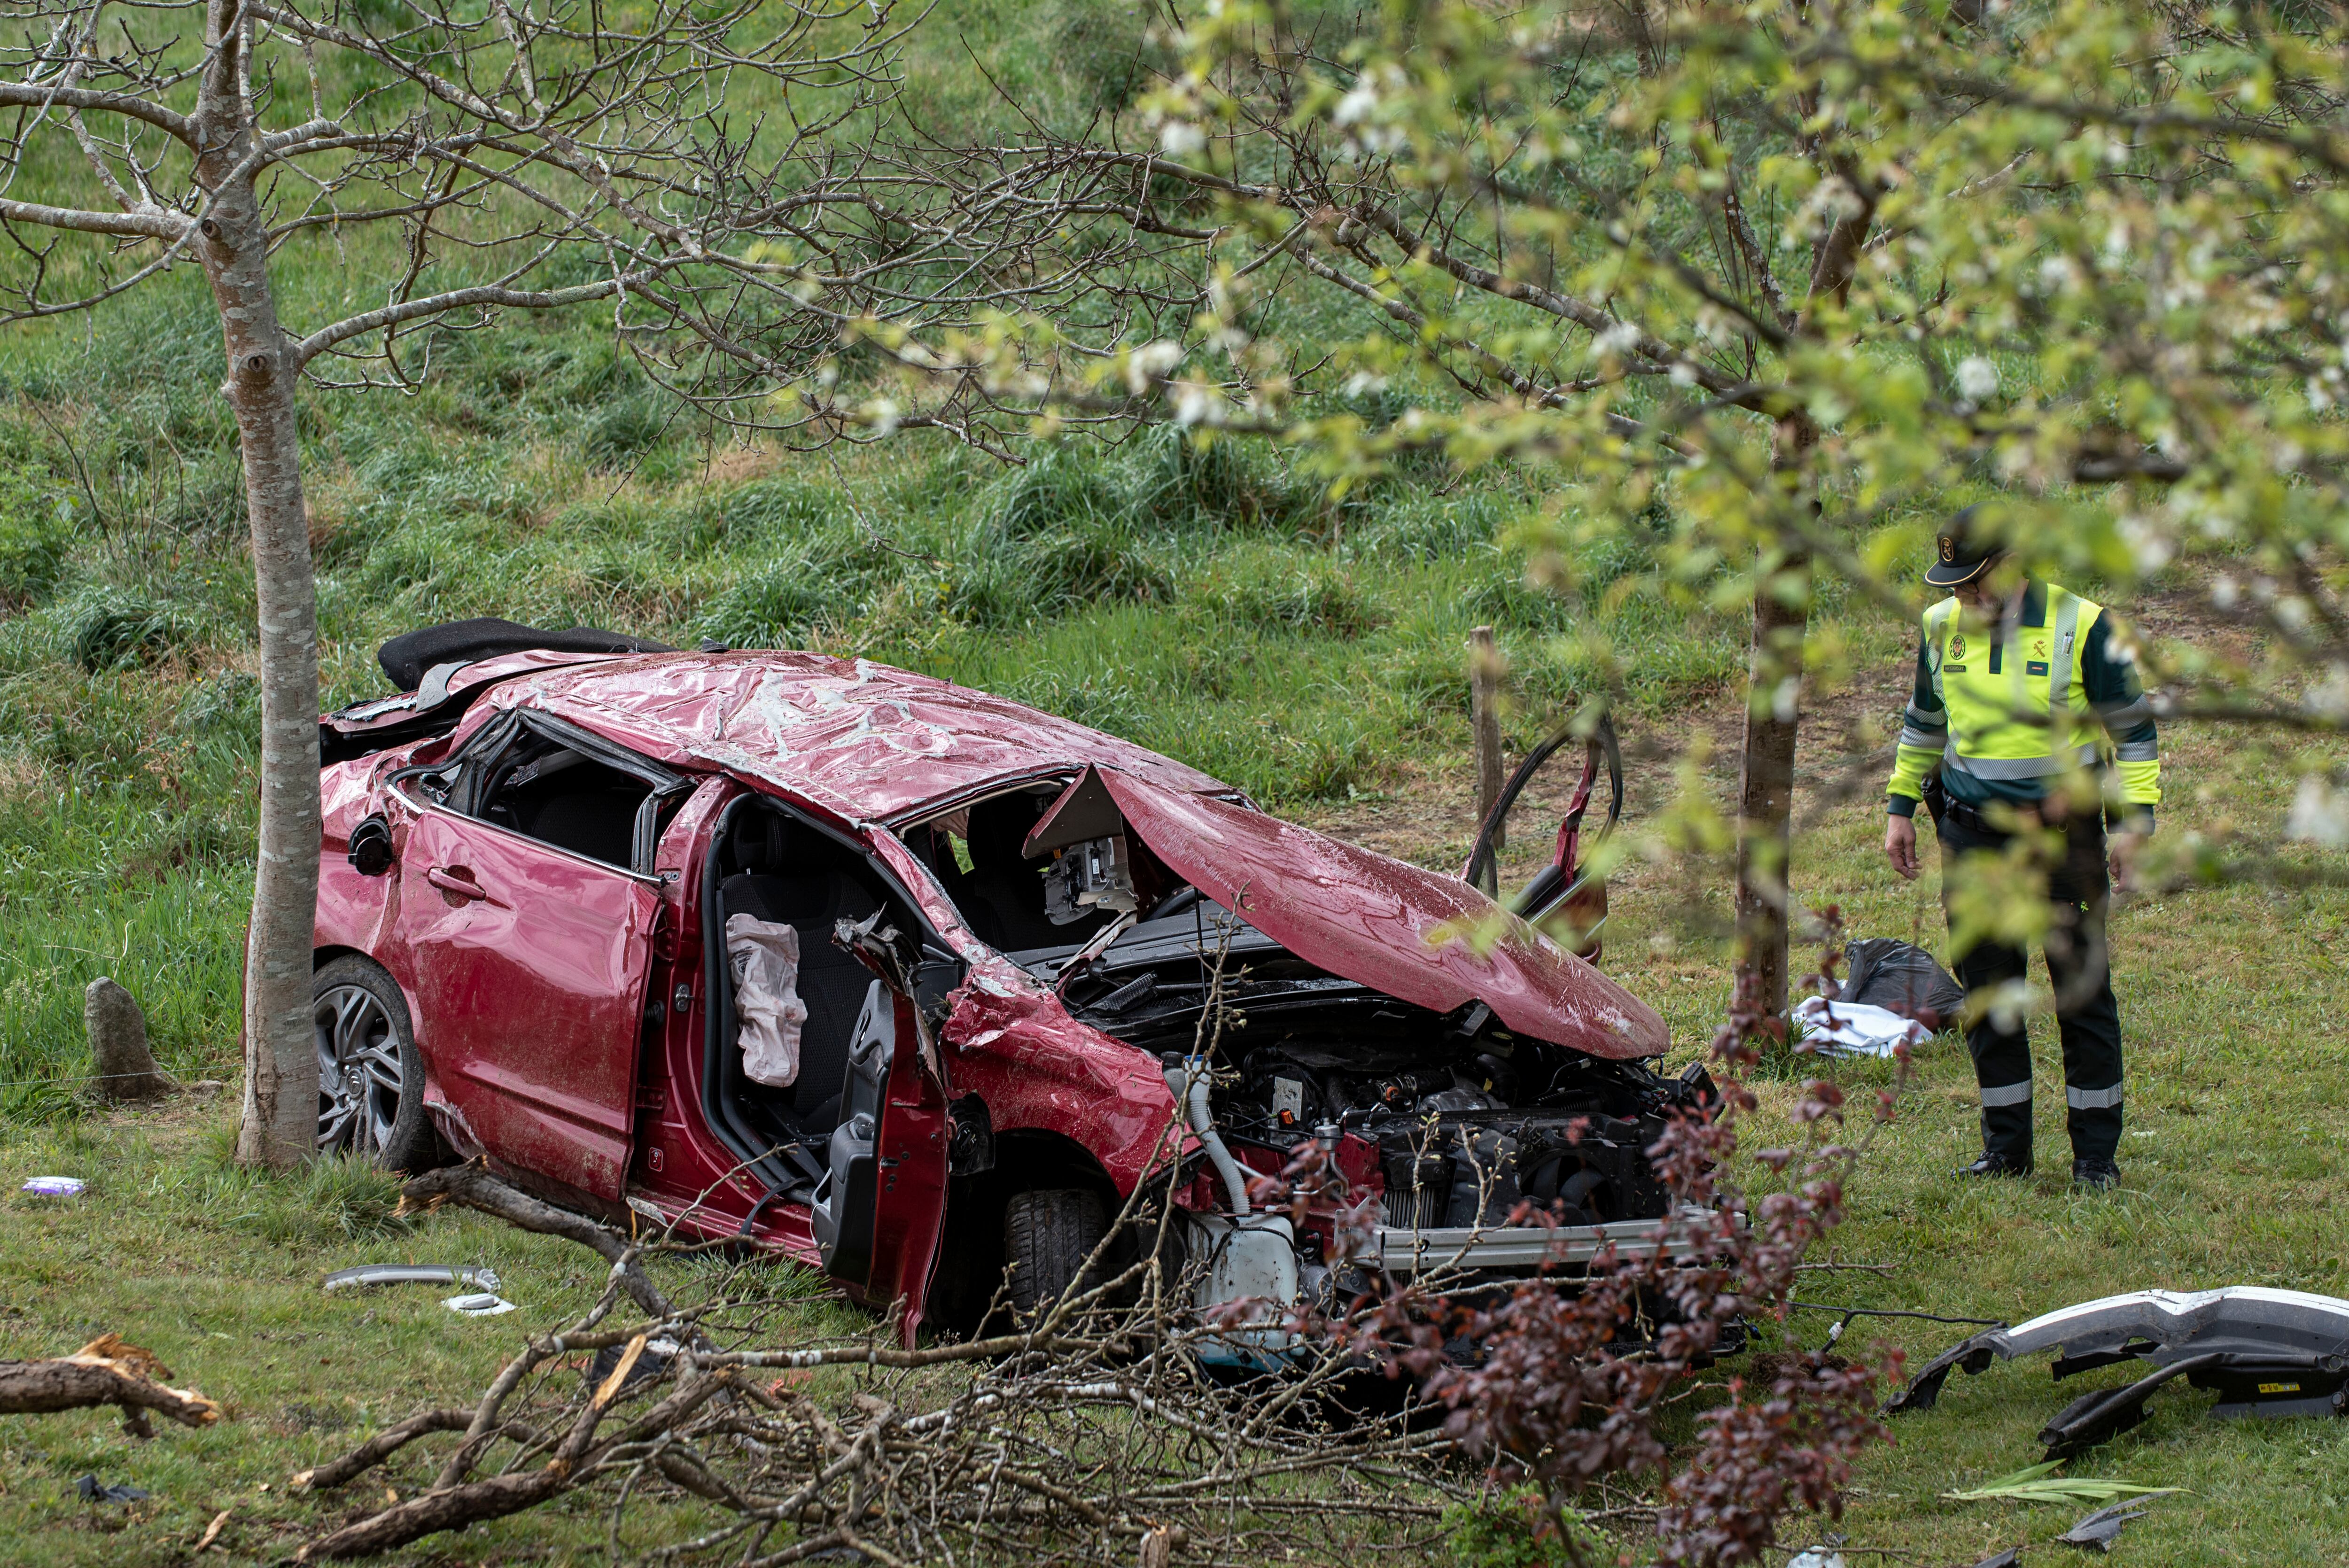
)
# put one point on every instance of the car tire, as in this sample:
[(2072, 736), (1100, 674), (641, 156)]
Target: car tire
[(370, 1074), (1047, 1234)]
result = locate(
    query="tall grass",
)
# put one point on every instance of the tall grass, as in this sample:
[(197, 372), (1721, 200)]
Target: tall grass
[(1205, 599), (1208, 602)]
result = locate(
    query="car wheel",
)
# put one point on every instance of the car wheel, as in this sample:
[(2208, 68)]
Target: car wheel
[(1047, 1237), (370, 1078)]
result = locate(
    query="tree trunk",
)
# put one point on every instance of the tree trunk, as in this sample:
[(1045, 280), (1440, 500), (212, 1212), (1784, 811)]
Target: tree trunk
[(281, 1068), (1774, 706), (1765, 790)]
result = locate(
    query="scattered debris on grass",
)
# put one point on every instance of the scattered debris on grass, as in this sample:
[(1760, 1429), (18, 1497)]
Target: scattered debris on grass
[(411, 1274), (54, 1186), (481, 1303), (89, 1488), (1855, 1028), (2269, 1353), (2098, 1530), (1097, 1421)]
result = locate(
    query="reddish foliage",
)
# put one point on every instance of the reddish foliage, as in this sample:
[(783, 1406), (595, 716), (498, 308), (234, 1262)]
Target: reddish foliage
[(1571, 1385)]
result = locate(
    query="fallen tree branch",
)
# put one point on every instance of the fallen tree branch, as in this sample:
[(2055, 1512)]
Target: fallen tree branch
[(106, 1371), (390, 1441), (471, 1186)]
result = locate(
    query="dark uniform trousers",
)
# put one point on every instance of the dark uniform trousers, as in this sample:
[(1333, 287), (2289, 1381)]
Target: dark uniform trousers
[(2087, 1016)]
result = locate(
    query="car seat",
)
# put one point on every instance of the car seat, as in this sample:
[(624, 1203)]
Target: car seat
[(1001, 895), (794, 878)]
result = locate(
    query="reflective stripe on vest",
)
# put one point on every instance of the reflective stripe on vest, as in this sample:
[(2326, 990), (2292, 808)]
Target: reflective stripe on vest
[(1999, 726)]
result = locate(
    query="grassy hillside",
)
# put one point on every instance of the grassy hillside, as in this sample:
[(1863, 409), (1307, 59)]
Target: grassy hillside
[(1206, 602)]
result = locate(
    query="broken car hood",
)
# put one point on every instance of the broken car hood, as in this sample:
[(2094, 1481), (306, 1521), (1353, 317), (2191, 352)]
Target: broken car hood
[(1419, 937)]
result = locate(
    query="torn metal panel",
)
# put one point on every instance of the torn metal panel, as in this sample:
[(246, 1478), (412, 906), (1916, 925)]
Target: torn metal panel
[(1416, 935), (1038, 1068)]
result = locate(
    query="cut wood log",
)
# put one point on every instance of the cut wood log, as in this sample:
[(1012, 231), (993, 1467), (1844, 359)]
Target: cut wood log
[(106, 1371)]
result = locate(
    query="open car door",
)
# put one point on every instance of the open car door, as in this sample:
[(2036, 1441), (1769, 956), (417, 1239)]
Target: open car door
[(877, 1210)]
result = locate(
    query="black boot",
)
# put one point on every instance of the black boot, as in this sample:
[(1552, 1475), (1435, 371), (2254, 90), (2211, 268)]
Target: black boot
[(2095, 1173), (1998, 1165)]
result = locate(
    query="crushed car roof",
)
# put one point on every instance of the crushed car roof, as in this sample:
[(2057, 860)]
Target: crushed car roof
[(863, 739), (882, 745)]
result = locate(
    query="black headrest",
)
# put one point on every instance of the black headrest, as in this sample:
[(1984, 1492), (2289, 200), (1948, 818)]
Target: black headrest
[(1000, 829), (759, 842), (406, 657)]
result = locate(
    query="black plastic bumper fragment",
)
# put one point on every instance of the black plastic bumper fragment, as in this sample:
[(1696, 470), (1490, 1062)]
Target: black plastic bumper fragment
[(2271, 1353), (2098, 1529), (2098, 1418)]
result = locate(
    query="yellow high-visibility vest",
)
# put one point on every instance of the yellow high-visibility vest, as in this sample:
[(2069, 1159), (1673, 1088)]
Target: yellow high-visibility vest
[(2017, 708)]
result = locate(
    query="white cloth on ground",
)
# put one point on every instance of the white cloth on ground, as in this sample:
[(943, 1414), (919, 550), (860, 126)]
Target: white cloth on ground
[(1855, 1028), (765, 959)]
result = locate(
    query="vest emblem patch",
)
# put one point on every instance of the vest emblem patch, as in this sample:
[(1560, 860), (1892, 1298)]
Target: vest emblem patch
[(1957, 646)]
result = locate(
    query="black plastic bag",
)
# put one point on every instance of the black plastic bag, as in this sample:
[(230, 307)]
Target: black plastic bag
[(1900, 977)]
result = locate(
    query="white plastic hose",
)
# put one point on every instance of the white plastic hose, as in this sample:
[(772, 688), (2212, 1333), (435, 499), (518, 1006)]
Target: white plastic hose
[(1190, 1088)]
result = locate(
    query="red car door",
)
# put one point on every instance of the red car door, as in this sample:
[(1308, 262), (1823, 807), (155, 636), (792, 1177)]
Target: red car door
[(909, 1196), (529, 966)]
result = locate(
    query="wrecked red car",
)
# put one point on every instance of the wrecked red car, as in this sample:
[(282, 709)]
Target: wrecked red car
[(908, 980)]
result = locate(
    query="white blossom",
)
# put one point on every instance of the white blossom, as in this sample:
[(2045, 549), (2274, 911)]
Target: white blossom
[(2320, 814), (1977, 379), (1149, 362), (1195, 403), (1619, 338), (2149, 545), (2330, 701)]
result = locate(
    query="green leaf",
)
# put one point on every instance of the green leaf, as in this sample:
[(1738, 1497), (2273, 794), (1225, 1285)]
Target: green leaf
[(2040, 1483)]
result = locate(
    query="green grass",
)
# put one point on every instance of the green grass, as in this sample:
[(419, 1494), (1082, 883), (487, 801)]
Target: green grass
[(1208, 603), (2232, 1002), (218, 1272)]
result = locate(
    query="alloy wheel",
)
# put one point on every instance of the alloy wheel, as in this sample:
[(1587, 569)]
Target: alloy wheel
[(359, 1075)]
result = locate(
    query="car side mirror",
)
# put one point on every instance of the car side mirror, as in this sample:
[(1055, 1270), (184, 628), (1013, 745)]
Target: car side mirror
[(371, 852)]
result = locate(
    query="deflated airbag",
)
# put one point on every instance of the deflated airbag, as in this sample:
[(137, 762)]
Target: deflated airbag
[(765, 958)]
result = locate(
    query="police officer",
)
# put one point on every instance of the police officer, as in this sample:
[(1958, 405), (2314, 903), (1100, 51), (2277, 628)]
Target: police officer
[(2018, 685)]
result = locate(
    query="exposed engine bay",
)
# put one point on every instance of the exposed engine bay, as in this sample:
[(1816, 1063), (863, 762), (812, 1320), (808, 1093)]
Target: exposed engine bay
[(1450, 1120)]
